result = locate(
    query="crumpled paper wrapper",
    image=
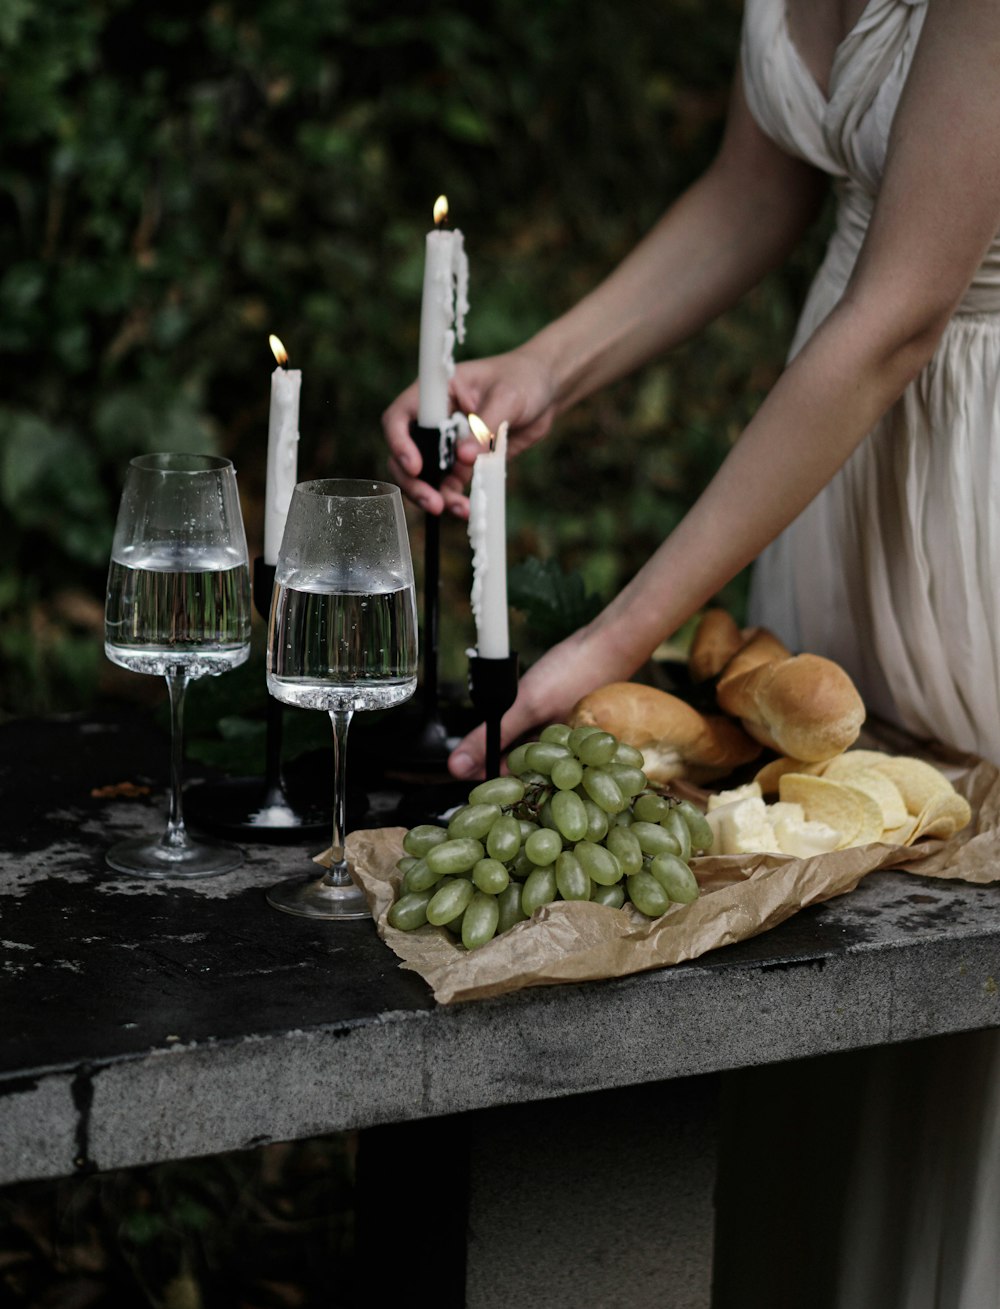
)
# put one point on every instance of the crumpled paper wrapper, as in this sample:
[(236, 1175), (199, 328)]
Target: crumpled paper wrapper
[(742, 895)]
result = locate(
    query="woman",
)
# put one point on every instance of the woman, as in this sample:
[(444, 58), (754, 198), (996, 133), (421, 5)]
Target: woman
[(869, 466)]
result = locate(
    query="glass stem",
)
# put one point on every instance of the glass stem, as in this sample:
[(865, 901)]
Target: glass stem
[(338, 874), (176, 835)]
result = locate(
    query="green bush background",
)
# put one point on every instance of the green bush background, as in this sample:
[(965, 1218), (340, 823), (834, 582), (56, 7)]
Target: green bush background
[(178, 180)]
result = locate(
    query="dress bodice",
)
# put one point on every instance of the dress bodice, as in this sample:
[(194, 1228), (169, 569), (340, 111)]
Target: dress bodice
[(845, 133)]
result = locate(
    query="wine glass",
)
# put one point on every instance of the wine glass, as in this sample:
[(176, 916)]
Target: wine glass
[(178, 606), (342, 636)]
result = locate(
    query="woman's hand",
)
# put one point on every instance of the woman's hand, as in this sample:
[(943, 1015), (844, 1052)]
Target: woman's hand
[(515, 386), (549, 690)]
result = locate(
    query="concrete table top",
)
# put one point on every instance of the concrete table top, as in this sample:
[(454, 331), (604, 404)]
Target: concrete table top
[(146, 1021)]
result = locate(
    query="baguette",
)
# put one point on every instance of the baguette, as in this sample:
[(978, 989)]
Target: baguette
[(716, 640), (760, 646), (804, 706), (676, 741)]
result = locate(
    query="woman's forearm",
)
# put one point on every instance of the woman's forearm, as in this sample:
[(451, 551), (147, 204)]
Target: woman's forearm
[(814, 418)]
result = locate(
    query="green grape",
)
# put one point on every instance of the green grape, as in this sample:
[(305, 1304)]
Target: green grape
[(545, 816), (597, 748), (504, 838), (598, 862), (651, 808), (624, 845), (419, 877), (701, 833), (653, 838), (517, 761), (490, 876), (457, 856), (527, 826), (612, 896), (569, 815), (679, 830), (541, 755), (628, 754), (532, 778), (449, 901), (567, 774), (410, 911), (558, 732), (454, 926), (631, 780), (675, 877), (597, 820), (624, 819), (473, 820), (539, 889), (543, 847), (479, 922), (603, 790), (647, 894), (522, 865), (498, 791), (418, 840), (511, 912), (407, 862), (571, 881), (579, 735)]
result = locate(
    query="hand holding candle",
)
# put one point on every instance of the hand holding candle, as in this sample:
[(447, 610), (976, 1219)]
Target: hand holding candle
[(488, 537), (282, 449)]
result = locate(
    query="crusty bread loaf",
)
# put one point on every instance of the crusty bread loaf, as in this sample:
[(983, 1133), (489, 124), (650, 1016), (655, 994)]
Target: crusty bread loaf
[(675, 740), (804, 706), (760, 646), (716, 639)]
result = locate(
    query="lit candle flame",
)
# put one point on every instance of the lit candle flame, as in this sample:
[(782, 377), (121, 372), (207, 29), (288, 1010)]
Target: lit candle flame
[(279, 351), (440, 210), (481, 432)]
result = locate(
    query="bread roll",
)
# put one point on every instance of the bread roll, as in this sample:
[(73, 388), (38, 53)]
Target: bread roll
[(716, 640), (760, 646), (675, 740), (804, 706)]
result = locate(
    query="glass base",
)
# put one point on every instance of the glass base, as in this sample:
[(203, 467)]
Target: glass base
[(314, 897), (142, 857)]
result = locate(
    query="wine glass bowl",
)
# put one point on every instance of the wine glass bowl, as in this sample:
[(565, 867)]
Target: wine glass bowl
[(177, 606), (342, 636)]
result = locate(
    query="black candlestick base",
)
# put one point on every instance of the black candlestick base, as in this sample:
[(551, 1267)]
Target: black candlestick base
[(422, 744), (493, 689), (260, 808)]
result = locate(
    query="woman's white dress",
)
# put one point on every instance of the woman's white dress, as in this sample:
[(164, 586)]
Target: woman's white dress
[(894, 571)]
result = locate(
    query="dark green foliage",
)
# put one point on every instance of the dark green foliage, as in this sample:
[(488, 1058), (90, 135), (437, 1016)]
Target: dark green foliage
[(179, 180)]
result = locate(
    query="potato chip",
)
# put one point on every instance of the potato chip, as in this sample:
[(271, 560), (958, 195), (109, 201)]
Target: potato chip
[(902, 835), (943, 816), (768, 777), (850, 762), (872, 824), (918, 782), (883, 790), (828, 802)]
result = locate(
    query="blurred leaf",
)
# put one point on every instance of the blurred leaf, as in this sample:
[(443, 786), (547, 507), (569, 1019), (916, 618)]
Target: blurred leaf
[(554, 603)]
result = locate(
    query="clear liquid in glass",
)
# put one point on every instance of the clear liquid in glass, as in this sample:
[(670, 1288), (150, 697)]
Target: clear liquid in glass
[(334, 648), (172, 605)]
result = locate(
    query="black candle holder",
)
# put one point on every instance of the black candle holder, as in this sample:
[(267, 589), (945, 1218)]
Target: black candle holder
[(259, 808), (493, 689), (431, 743)]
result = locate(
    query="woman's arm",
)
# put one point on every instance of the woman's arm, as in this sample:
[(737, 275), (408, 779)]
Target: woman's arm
[(739, 220), (937, 213)]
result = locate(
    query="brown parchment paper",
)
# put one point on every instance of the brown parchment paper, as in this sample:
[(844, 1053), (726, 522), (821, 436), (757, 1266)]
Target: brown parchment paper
[(742, 895)]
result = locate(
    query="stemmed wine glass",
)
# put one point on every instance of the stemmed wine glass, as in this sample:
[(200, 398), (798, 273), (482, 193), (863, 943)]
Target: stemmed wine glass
[(178, 606), (342, 636)]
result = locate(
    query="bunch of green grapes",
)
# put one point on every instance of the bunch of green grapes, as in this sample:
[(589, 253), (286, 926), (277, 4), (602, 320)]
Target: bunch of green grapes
[(575, 820)]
